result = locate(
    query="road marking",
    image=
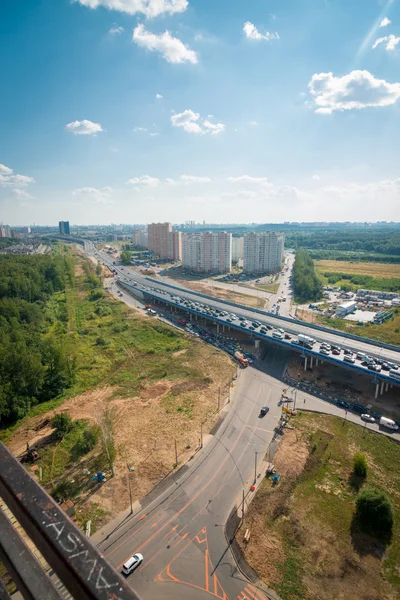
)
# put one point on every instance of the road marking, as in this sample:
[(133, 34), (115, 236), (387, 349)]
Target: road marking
[(259, 429)]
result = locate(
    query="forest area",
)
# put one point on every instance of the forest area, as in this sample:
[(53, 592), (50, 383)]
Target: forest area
[(306, 283), (34, 364), (375, 245)]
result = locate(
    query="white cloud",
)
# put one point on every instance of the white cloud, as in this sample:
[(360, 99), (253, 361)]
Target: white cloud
[(252, 33), (97, 195), (390, 41), (5, 170), (84, 127), (170, 48), (214, 128), (358, 89), (189, 121), (194, 179), (159, 97), (116, 30), (316, 178), (249, 179), (149, 8), (153, 133), (22, 194), (144, 180), (137, 129), (385, 22)]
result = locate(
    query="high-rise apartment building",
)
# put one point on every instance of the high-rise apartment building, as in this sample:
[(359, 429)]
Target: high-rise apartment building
[(164, 242), (237, 249), (140, 238), (207, 252), (63, 227), (5, 231), (263, 252)]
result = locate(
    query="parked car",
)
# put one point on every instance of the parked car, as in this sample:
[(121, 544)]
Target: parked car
[(368, 418), (335, 351), (343, 404), (359, 408), (324, 351), (264, 411)]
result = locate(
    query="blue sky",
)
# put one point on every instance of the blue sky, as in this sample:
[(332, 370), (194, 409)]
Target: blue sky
[(223, 110)]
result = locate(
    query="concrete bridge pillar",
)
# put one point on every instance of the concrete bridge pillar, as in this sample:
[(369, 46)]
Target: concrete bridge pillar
[(190, 316), (305, 363), (386, 387), (311, 362), (223, 328), (382, 386), (376, 390), (217, 327), (316, 362)]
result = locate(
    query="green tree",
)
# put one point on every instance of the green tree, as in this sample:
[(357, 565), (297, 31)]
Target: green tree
[(62, 424), (126, 257), (374, 511), (360, 465)]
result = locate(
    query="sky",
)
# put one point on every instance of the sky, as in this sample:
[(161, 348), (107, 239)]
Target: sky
[(224, 111)]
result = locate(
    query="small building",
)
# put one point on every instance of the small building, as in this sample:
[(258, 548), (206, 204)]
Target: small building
[(346, 308)]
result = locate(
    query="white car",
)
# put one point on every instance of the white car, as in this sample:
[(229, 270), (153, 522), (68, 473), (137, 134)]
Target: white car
[(368, 418), (132, 563)]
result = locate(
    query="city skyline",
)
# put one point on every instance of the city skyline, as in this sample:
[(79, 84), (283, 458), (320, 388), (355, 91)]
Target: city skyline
[(188, 111)]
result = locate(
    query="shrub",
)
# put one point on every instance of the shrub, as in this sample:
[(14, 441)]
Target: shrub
[(62, 424), (374, 511), (360, 465)]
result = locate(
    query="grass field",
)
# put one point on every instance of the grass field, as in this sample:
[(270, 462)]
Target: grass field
[(159, 383), (372, 269), (388, 332), (272, 287), (305, 542)]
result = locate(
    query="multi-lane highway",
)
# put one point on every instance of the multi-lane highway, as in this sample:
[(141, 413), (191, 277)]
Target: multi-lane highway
[(194, 303)]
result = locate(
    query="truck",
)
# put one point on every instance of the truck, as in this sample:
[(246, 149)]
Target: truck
[(388, 423), (305, 340), (241, 359)]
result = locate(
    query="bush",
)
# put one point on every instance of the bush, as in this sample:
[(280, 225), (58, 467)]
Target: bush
[(86, 442), (360, 465), (62, 424), (374, 511)]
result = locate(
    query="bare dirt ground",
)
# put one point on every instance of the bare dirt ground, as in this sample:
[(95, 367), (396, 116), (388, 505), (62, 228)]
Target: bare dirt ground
[(345, 383), (223, 294), (145, 426)]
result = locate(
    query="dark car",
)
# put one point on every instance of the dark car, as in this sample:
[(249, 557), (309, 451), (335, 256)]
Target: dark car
[(269, 327), (287, 336), (264, 411), (343, 404), (359, 408), (263, 330)]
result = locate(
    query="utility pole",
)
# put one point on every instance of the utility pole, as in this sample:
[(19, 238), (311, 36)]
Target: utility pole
[(130, 489), (295, 398), (201, 434), (255, 467), (176, 454), (243, 505)]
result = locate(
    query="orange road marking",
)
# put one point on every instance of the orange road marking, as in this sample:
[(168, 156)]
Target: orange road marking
[(259, 428), (257, 592), (249, 593), (170, 531), (181, 539), (143, 566), (206, 561)]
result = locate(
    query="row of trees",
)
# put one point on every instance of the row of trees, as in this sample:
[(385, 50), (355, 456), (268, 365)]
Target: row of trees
[(34, 364), (364, 281), (306, 283), (381, 242)]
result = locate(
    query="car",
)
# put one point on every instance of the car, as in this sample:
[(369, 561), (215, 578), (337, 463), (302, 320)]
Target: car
[(359, 408), (287, 336), (264, 410), (255, 324), (385, 367), (368, 418), (324, 351), (132, 563), (335, 351), (343, 404), (374, 367), (263, 330), (326, 346), (252, 328), (295, 342)]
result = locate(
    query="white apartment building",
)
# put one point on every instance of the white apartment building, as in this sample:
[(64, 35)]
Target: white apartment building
[(237, 249), (140, 238), (207, 252), (263, 252)]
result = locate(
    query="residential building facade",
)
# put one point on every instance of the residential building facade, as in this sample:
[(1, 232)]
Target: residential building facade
[(263, 252), (164, 242), (207, 252), (140, 238), (237, 249)]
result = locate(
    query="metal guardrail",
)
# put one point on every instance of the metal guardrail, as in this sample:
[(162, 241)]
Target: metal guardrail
[(77, 563), (287, 319)]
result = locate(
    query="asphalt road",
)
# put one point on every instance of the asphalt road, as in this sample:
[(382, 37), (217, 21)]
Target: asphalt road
[(181, 533)]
